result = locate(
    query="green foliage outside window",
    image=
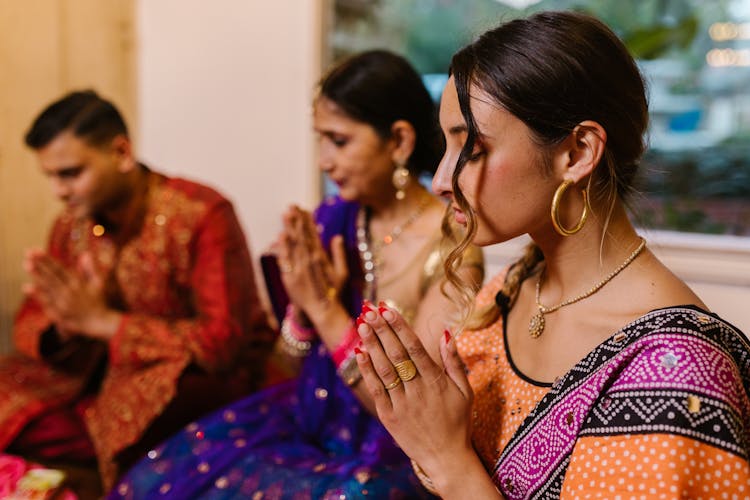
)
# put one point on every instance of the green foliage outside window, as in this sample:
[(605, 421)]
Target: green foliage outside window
[(694, 178)]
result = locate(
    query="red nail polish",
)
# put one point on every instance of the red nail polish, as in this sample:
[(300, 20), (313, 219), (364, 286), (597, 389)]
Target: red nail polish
[(357, 350), (382, 309), (382, 304), (365, 308), (359, 321), (447, 334)]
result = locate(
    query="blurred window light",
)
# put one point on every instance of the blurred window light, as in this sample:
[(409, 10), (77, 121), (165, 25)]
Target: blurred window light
[(721, 32), (719, 58), (695, 55)]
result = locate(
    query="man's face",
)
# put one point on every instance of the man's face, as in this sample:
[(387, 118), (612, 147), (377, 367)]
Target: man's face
[(88, 179)]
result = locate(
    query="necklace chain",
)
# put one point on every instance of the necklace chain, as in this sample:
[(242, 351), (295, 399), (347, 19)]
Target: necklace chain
[(369, 251), (536, 324)]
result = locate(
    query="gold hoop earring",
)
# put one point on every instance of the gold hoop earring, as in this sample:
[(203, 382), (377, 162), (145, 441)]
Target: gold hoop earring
[(554, 210), (401, 180)]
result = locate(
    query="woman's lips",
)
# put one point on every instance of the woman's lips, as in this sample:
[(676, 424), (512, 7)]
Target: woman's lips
[(459, 216)]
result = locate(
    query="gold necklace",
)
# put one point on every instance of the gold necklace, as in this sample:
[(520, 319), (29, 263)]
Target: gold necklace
[(369, 252), (536, 324)]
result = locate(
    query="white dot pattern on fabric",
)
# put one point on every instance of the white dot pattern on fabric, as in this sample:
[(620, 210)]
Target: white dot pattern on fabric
[(660, 465)]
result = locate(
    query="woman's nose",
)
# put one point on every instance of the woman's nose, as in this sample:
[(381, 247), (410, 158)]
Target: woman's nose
[(442, 181)]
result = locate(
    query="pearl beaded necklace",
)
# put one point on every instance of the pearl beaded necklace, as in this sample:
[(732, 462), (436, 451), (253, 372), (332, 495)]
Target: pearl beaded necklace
[(369, 252)]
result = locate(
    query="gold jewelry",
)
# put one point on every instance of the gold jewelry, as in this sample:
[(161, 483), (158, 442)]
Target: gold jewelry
[(368, 252), (393, 384), (400, 179), (423, 477), (536, 324), (406, 370), (349, 371), (285, 267), (555, 208)]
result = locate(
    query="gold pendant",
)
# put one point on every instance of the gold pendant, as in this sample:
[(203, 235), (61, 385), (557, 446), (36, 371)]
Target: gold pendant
[(536, 325)]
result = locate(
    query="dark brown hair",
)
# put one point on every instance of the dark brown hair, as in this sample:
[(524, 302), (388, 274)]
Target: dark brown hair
[(378, 88), (552, 71), (91, 118)]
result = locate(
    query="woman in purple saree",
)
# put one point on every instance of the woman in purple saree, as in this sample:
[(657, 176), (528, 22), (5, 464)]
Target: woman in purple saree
[(379, 240)]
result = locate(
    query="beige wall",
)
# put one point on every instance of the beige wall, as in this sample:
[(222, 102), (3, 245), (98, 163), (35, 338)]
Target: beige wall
[(48, 47), (224, 97)]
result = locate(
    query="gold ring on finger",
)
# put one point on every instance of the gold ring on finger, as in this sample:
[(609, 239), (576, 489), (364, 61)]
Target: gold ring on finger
[(393, 384), (406, 370), (285, 267)]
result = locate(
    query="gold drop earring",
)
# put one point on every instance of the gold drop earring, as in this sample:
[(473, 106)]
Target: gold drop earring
[(400, 179)]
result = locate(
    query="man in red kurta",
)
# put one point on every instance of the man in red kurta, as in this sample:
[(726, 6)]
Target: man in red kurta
[(141, 315)]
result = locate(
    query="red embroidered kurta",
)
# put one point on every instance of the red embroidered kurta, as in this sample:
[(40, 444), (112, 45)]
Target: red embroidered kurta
[(186, 287)]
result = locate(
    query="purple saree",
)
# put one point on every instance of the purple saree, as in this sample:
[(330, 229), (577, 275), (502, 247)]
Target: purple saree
[(305, 439)]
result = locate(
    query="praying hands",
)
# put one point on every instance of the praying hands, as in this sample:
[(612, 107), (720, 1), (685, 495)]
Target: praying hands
[(426, 407), (312, 278), (73, 300)]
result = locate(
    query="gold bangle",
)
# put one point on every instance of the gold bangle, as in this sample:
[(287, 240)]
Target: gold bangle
[(423, 478), (349, 371)]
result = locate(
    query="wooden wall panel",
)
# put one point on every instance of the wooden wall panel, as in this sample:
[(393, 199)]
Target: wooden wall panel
[(47, 48)]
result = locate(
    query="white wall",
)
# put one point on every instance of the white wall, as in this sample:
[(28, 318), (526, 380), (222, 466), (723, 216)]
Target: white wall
[(224, 91)]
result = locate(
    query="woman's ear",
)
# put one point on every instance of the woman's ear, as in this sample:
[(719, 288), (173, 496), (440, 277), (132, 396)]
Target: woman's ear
[(403, 139), (583, 150)]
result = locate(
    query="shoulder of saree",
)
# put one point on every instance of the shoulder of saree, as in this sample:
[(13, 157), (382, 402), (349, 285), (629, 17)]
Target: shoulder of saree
[(432, 269), (678, 370), (336, 213), (335, 216), (333, 204)]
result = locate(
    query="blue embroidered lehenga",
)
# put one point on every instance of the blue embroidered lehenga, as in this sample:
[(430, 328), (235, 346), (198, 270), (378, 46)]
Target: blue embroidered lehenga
[(309, 438)]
